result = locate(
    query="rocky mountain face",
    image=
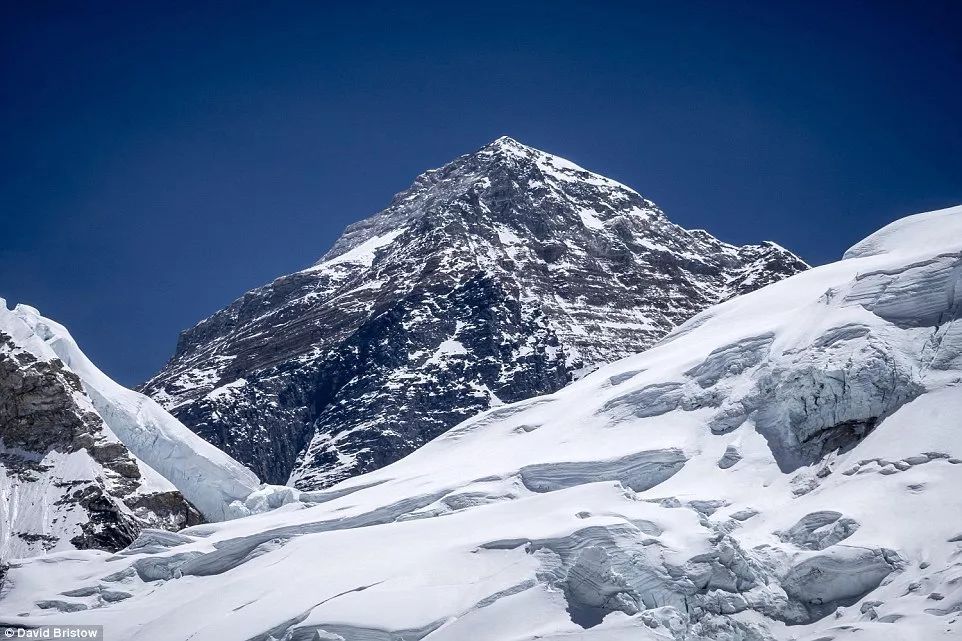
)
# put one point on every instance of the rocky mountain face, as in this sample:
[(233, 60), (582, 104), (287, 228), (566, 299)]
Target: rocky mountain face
[(88, 463), (503, 275), (784, 466), (66, 480)]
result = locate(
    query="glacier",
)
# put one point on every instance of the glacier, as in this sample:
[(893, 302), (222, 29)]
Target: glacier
[(784, 465)]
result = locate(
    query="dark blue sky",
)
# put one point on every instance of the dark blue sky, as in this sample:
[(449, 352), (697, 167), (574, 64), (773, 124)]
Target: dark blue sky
[(159, 160)]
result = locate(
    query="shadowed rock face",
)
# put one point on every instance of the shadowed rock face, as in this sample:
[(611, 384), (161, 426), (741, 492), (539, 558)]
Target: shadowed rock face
[(500, 276), (42, 423)]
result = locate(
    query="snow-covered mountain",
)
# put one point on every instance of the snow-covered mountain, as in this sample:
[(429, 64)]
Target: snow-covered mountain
[(87, 463), (785, 465), (498, 277)]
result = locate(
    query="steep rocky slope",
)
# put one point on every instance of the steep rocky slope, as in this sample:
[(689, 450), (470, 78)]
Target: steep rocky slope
[(500, 276), (87, 463), (66, 480), (785, 465)]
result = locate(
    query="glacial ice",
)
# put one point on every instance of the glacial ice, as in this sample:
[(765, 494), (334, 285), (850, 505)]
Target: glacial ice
[(639, 471), (839, 575), (784, 466), (819, 530), (924, 294)]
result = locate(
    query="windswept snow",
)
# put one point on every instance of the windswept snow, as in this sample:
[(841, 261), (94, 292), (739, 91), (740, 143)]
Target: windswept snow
[(590, 219), (936, 231), (785, 465), (364, 253)]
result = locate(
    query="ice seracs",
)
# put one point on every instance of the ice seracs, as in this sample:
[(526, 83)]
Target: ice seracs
[(603, 512), (501, 276)]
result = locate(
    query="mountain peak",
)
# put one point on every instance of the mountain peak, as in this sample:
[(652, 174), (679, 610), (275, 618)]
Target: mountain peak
[(505, 141), (508, 147), (508, 144), (511, 179), (500, 276)]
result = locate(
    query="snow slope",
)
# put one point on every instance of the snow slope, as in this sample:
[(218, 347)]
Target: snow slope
[(785, 465), (210, 479)]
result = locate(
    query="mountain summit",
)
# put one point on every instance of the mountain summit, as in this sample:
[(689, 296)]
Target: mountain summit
[(503, 275)]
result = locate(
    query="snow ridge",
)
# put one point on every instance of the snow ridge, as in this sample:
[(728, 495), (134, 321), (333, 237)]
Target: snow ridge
[(209, 478), (67, 480)]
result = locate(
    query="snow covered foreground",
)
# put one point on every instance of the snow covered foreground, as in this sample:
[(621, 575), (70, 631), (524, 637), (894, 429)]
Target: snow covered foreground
[(785, 465)]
